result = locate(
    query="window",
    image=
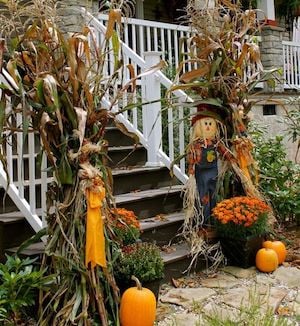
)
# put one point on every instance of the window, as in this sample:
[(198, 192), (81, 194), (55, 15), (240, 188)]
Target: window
[(269, 109)]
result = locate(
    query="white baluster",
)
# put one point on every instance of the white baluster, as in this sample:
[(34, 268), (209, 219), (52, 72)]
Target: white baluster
[(32, 182)]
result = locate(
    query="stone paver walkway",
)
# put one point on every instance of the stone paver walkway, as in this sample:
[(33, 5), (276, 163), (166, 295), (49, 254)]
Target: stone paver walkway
[(228, 293)]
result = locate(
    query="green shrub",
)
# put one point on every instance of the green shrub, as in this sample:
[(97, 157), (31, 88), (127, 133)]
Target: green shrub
[(142, 260), (280, 177), (19, 286)]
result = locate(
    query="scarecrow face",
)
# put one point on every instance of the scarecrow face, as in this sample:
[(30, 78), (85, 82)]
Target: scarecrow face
[(205, 128)]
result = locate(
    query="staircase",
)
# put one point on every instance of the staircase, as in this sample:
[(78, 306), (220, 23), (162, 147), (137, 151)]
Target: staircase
[(147, 189), (150, 192)]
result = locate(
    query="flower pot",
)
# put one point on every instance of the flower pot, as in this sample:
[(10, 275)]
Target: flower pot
[(241, 252)]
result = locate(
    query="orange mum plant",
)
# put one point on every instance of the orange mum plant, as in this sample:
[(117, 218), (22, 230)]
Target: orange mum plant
[(126, 225), (240, 217)]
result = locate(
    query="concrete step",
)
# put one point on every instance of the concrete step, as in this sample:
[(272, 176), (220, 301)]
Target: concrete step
[(162, 229), (129, 179), (152, 202)]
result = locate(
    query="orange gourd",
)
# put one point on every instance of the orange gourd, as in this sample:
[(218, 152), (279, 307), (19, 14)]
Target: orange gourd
[(279, 247), (138, 306), (266, 260)]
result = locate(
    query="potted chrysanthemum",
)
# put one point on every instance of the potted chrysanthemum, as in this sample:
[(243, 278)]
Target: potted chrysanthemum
[(125, 226), (241, 223), (142, 260)]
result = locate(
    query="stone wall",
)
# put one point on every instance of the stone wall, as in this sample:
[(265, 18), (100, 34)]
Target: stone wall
[(272, 57), (274, 123), (272, 51), (72, 21)]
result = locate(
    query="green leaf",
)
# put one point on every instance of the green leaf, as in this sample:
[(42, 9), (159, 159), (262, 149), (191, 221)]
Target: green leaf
[(34, 239), (65, 175), (116, 49)]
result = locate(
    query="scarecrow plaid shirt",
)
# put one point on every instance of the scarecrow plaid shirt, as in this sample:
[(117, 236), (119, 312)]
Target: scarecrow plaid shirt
[(194, 154)]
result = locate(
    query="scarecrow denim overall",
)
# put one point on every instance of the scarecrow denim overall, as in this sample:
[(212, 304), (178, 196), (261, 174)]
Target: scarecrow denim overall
[(206, 173)]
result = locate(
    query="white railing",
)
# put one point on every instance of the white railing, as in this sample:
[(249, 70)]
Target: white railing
[(27, 181), (291, 64), (163, 131), (144, 36)]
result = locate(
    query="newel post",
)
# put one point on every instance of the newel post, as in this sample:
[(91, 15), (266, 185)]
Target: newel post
[(151, 92)]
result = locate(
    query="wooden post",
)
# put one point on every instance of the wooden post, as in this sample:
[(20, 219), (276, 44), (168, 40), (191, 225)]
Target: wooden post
[(152, 127), (268, 8)]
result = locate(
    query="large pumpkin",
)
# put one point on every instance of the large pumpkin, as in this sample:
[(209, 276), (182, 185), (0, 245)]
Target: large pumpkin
[(266, 260), (279, 247), (138, 306)]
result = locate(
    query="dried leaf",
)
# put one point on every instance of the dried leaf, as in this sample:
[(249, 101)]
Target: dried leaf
[(44, 120), (162, 64), (114, 17), (132, 77), (243, 55), (196, 73), (125, 131), (175, 283)]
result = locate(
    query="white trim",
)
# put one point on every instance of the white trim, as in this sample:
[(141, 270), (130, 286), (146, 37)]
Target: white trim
[(21, 203), (148, 23)]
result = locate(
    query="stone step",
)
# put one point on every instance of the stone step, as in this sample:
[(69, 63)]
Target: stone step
[(162, 229), (141, 178), (152, 202)]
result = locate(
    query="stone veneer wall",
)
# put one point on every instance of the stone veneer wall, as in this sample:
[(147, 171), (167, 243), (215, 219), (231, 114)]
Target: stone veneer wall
[(72, 21), (271, 50), (272, 57)]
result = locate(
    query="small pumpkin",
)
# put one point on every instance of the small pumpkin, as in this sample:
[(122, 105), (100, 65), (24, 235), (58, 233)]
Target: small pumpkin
[(266, 260), (279, 247), (138, 306)]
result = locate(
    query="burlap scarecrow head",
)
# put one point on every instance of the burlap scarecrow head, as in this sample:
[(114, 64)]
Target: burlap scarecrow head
[(206, 122)]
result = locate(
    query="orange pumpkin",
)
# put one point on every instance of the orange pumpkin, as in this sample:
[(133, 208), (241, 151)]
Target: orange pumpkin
[(279, 247), (266, 260), (138, 306)]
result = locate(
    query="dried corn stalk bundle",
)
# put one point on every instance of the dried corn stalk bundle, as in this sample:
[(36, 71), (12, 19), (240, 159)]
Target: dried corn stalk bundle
[(225, 66), (57, 83)]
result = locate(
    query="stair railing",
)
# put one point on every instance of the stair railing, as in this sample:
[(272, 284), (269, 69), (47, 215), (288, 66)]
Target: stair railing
[(23, 176), (291, 64), (162, 131)]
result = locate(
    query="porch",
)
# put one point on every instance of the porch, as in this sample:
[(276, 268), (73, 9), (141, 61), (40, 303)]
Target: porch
[(164, 134)]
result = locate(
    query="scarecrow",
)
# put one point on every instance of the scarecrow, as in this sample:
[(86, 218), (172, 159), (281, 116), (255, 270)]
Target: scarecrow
[(208, 145), (209, 157)]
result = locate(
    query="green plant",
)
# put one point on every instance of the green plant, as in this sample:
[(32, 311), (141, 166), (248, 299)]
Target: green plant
[(20, 282), (142, 260), (291, 119), (250, 315), (279, 177)]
